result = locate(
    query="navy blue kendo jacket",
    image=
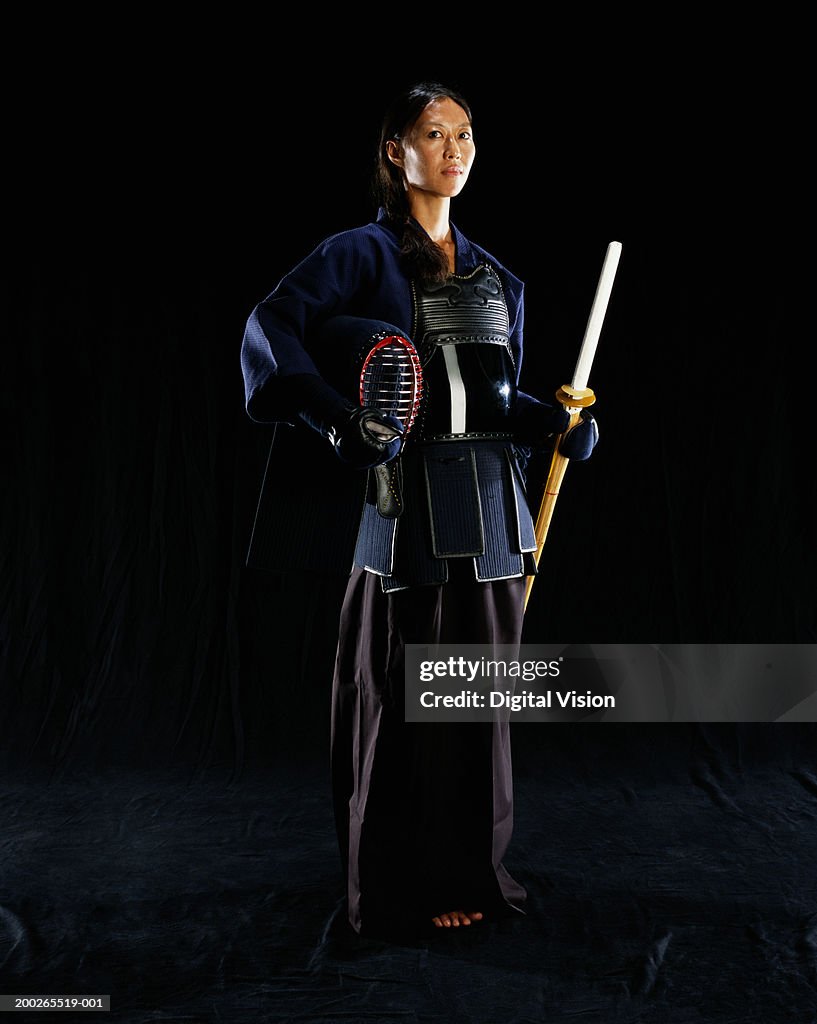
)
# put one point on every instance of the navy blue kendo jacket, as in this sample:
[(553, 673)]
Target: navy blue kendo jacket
[(355, 273)]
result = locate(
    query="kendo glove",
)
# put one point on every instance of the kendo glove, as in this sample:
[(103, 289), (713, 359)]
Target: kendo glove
[(368, 438), (579, 442), (362, 437)]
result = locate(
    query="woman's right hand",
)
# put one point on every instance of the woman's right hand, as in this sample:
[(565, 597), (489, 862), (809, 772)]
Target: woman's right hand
[(362, 436), (368, 438)]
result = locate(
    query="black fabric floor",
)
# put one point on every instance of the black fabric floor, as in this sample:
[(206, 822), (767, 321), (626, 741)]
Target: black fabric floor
[(670, 880)]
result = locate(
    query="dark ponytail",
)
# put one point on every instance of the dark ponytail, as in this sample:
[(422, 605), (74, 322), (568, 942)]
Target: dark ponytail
[(421, 258)]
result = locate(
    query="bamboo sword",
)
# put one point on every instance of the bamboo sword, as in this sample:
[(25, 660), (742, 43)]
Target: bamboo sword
[(575, 397)]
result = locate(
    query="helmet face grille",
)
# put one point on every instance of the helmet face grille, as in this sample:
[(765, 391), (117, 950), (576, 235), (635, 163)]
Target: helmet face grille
[(392, 380)]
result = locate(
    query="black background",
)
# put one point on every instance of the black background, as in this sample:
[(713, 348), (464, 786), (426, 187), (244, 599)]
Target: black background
[(154, 203)]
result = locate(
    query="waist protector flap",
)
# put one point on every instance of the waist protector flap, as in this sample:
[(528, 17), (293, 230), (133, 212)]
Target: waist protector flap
[(453, 500)]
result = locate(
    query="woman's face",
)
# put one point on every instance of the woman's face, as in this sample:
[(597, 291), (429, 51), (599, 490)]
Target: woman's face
[(436, 154)]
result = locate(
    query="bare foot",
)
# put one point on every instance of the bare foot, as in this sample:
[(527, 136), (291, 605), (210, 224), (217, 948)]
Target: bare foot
[(455, 918)]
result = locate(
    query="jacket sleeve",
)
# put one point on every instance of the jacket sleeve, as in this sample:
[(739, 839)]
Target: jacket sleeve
[(276, 353), (535, 421)]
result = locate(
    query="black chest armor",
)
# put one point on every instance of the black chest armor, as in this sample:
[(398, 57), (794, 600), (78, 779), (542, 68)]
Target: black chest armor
[(461, 331)]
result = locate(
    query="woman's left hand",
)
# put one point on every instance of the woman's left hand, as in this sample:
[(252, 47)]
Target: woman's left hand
[(578, 443)]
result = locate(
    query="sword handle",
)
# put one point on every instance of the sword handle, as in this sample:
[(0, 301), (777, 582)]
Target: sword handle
[(574, 400)]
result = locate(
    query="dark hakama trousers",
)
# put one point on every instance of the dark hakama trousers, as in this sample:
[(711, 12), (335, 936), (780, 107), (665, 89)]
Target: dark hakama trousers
[(424, 811)]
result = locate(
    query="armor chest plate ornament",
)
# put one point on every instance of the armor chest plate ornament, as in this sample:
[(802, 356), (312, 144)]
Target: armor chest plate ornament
[(461, 330)]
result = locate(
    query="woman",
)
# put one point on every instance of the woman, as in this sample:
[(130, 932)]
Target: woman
[(423, 810)]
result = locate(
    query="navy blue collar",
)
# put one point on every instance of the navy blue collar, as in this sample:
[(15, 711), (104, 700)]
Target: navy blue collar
[(466, 259)]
